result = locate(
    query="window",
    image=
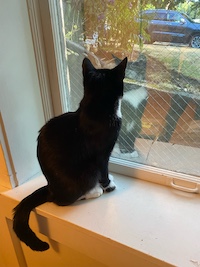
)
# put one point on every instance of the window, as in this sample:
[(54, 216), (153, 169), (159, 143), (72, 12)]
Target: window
[(160, 16), (161, 127), (175, 17)]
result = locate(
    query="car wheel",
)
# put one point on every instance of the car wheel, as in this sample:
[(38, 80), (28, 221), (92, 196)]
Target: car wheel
[(195, 41)]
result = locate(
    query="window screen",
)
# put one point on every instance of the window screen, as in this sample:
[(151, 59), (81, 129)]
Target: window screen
[(161, 103)]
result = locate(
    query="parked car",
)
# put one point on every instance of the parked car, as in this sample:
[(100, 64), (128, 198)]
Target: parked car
[(171, 26)]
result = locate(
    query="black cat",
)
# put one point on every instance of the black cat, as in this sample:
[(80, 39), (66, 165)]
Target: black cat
[(133, 104), (74, 149)]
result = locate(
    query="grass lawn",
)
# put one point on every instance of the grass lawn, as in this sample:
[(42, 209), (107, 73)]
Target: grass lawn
[(184, 60), (173, 68), (169, 68)]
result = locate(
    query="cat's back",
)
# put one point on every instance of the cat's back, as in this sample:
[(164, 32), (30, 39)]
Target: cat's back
[(61, 124), (59, 130)]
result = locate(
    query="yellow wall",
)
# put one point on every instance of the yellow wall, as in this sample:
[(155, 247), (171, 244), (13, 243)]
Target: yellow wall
[(4, 176), (2, 264), (58, 256)]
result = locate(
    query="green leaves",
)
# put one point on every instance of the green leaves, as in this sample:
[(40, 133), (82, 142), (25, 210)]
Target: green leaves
[(115, 21)]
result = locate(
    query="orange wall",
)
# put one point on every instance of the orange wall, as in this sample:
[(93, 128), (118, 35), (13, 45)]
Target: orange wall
[(4, 176)]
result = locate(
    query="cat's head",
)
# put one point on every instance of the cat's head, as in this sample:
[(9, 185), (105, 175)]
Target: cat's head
[(103, 83)]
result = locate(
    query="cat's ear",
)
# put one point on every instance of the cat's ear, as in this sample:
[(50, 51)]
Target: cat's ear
[(87, 66), (120, 69)]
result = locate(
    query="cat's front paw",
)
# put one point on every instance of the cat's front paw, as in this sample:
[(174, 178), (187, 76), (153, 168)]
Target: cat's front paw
[(131, 155), (95, 192), (111, 185)]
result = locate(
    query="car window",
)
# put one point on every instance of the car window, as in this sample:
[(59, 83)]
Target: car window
[(175, 17), (160, 16), (187, 17)]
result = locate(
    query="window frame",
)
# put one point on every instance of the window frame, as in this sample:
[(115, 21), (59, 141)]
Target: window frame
[(55, 96)]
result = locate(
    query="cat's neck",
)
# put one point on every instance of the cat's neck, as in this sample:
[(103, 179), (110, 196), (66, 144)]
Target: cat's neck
[(100, 111)]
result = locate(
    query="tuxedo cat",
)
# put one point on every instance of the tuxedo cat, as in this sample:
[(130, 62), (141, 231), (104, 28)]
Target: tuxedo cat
[(133, 104), (74, 149)]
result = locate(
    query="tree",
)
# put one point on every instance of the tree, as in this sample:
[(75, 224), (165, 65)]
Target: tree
[(196, 9), (165, 4), (114, 23)]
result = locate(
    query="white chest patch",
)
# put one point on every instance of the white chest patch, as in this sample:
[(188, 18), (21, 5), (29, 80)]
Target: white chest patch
[(119, 113), (135, 97)]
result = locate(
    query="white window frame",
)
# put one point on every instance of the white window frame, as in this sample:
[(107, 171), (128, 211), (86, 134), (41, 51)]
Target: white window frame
[(44, 19)]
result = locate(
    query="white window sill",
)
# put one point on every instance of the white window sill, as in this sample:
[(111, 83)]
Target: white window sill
[(139, 223)]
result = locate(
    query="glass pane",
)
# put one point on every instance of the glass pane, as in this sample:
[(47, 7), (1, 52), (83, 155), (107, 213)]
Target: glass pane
[(161, 103)]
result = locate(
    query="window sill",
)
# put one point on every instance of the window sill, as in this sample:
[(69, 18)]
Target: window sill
[(139, 223)]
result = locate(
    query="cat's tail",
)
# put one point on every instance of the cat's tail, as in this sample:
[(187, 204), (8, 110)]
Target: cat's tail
[(21, 219)]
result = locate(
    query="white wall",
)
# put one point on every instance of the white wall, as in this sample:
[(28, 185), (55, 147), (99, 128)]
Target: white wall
[(20, 101)]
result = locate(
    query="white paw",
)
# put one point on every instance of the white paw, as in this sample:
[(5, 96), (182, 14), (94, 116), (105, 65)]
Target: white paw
[(118, 154), (134, 154), (95, 192), (111, 185)]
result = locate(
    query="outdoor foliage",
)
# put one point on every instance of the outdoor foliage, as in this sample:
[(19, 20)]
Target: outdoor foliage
[(166, 4), (109, 22), (195, 8), (115, 23)]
